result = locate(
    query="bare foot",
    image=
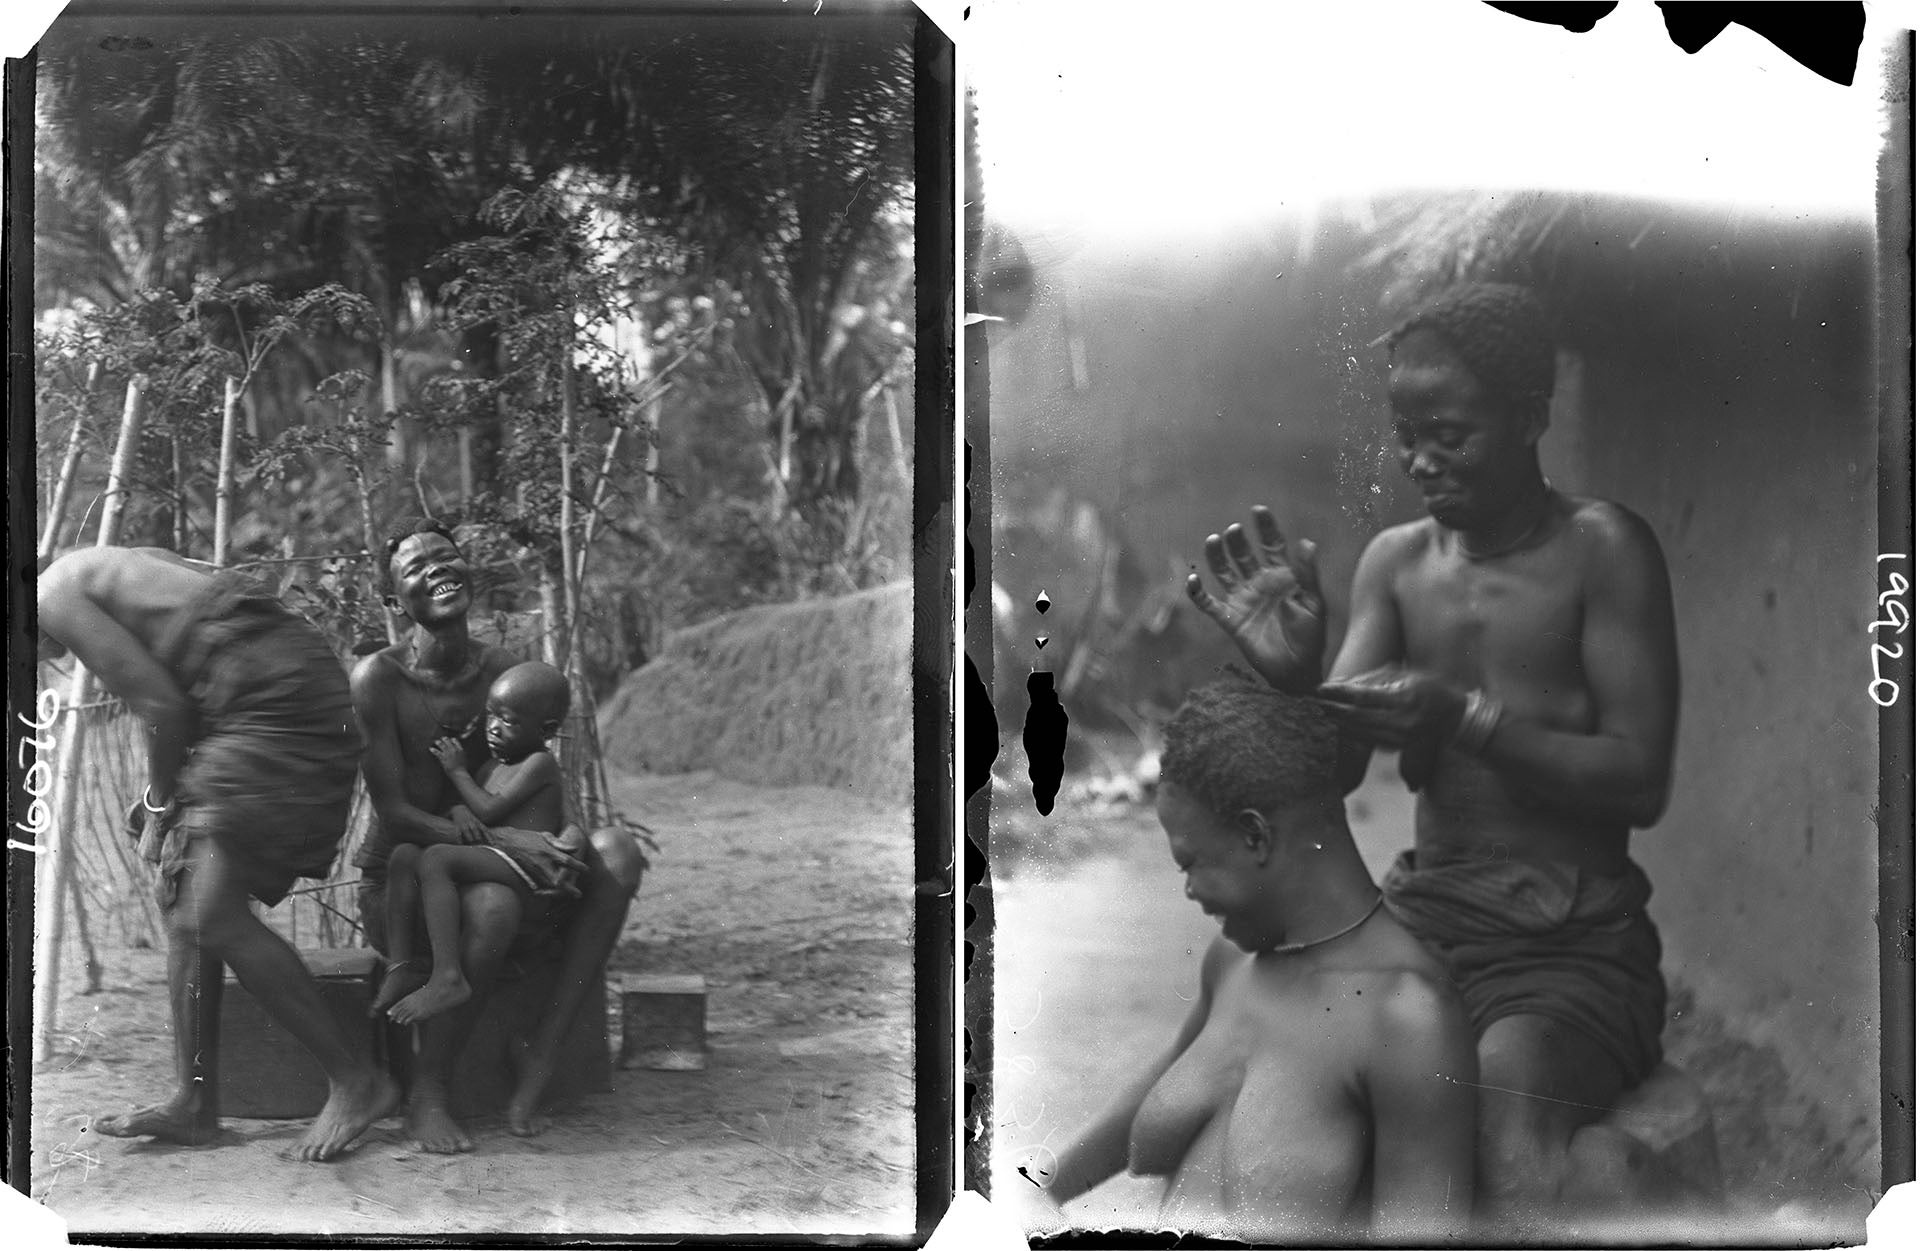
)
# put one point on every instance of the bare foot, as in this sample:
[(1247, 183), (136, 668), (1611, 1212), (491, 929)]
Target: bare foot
[(523, 1109), (173, 1122), (431, 1000), (351, 1107), (402, 979), (432, 1127)]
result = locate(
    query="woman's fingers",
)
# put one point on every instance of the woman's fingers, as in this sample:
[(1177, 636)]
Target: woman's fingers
[(1197, 592)]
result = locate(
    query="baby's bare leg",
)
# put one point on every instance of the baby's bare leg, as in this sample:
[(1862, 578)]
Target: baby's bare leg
[(444, 869)]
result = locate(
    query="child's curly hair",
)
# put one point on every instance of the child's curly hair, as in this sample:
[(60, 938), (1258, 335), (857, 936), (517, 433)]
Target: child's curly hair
[(1237, 744)]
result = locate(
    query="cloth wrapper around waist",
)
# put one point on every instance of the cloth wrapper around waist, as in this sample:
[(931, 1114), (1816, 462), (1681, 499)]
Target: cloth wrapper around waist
[(1538, 938), (549, 864), (276, 749)]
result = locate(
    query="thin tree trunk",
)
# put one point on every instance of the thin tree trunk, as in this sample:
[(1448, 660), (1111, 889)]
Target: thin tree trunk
[(570, 584), (370, 538), (56, 855), (179, 497), (549, 616), (69, 465), (786, 441), (599, 498), (223, 488), (465, 438), (653, 452), (389, 402), (131, 417), (899, 445)]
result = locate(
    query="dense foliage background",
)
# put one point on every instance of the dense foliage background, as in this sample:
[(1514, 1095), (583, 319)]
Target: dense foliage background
[(632, 299)]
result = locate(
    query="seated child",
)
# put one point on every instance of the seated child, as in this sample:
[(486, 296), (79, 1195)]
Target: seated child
[(529, 844)]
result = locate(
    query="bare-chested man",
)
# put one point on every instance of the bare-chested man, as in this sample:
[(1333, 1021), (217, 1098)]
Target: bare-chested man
[(1322, 1084), (434, 685), (1518, 648), (251, 755)]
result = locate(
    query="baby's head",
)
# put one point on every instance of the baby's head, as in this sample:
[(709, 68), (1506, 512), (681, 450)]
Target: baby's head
[(525, 706)]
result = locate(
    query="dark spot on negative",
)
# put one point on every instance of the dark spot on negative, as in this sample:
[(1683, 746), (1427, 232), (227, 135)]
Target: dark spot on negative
[(1045, 738)]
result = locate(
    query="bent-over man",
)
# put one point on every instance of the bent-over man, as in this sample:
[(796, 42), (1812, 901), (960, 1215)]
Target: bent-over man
[(1517, 648), (430, 686), (251, 755)]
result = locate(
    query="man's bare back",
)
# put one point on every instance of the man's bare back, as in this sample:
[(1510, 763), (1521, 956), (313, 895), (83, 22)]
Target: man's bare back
[(250, 773), (143, 589)]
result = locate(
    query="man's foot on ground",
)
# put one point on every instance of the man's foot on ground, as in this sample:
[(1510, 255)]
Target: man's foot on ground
[(169, 1122), (350, 1108), (402, 979), (429, 1001), (432, 1127), (524, 1119)]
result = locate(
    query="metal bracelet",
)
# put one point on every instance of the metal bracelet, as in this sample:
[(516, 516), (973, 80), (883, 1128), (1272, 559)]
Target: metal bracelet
[(1477, 723), (146, 800)]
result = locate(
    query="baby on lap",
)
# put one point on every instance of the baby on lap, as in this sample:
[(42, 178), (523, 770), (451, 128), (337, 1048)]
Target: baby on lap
[(529, 844)]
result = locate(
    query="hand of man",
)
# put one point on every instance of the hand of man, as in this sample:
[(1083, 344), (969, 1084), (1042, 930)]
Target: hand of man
[(135, 826), (467, 828), (1392, 707), (1269, 603), (140, 815)]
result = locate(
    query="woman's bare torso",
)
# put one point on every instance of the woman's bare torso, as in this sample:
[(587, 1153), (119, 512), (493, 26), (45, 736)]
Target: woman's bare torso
[(1512, 627), (1261, 1124)]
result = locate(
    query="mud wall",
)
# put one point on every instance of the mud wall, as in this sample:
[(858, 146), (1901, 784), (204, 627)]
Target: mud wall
[(1733, 409)]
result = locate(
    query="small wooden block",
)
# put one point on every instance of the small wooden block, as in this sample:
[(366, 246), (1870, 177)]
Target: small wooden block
[(264, 1071), (663, 1021)]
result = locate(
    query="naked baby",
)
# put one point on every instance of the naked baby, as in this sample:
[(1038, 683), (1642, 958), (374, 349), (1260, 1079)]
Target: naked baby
[(527, 844)]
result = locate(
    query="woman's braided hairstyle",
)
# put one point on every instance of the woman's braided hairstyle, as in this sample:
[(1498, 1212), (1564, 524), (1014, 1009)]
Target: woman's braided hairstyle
[(1500, 332)]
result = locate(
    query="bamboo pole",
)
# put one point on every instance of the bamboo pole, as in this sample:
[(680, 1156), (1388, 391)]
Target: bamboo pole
[(56, 855), (569, 582), (653, 452), (179, 497), (465, 438), (69, 466), (223, 490), (899, 446), (599, 497)]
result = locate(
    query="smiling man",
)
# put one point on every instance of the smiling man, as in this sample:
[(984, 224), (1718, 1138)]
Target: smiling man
[(1517, 648), (433, 685)]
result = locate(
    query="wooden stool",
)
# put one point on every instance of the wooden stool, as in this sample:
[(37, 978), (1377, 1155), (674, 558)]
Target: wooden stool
[(663, 1021), (264, 1071), (483, 1075)]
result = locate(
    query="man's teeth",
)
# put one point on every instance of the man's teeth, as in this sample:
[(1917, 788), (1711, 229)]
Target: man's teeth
[(444, 588)]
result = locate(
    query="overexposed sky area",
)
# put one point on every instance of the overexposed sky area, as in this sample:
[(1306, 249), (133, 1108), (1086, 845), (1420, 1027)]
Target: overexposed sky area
[(1120, 119)]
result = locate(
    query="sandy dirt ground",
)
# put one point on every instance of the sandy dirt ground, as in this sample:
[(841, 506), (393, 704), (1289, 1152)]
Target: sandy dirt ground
[(793, 903), (1097, 959)]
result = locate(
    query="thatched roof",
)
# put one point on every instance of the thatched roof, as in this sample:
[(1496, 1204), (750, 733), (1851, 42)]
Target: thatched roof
[(1607, 260)]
